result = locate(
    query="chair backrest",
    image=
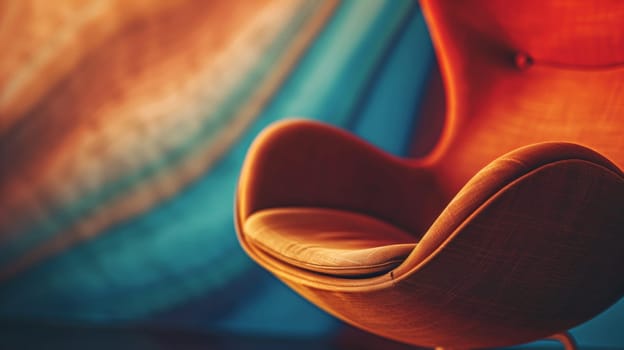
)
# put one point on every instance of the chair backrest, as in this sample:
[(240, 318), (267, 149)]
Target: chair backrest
[(522, 72)]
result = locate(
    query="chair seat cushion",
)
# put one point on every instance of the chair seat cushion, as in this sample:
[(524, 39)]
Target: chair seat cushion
[(329, 241)]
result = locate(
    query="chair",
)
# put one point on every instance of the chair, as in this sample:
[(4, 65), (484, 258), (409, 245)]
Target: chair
[(509, 229)]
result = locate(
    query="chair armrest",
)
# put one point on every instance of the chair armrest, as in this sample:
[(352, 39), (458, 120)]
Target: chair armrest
[(300, 163), (500, 174)]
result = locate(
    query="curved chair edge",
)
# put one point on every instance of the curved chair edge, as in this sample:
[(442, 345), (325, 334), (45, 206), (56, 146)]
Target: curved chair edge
[(507, 169)]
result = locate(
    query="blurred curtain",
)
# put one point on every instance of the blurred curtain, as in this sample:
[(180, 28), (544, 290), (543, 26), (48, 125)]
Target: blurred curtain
[(123, 127)]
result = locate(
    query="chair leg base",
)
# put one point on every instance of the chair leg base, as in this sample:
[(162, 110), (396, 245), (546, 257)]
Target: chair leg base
[(564, 338)]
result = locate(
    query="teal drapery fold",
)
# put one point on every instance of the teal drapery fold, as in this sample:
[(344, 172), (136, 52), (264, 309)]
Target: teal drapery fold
[(182, 253)]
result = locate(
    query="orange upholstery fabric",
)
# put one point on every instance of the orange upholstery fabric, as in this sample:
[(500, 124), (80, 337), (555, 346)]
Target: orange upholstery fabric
[(338, 171), (514, 78), (329, 241), (517, 210)]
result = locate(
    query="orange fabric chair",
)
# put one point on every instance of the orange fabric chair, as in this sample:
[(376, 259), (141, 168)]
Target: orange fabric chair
[(510, 229)]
